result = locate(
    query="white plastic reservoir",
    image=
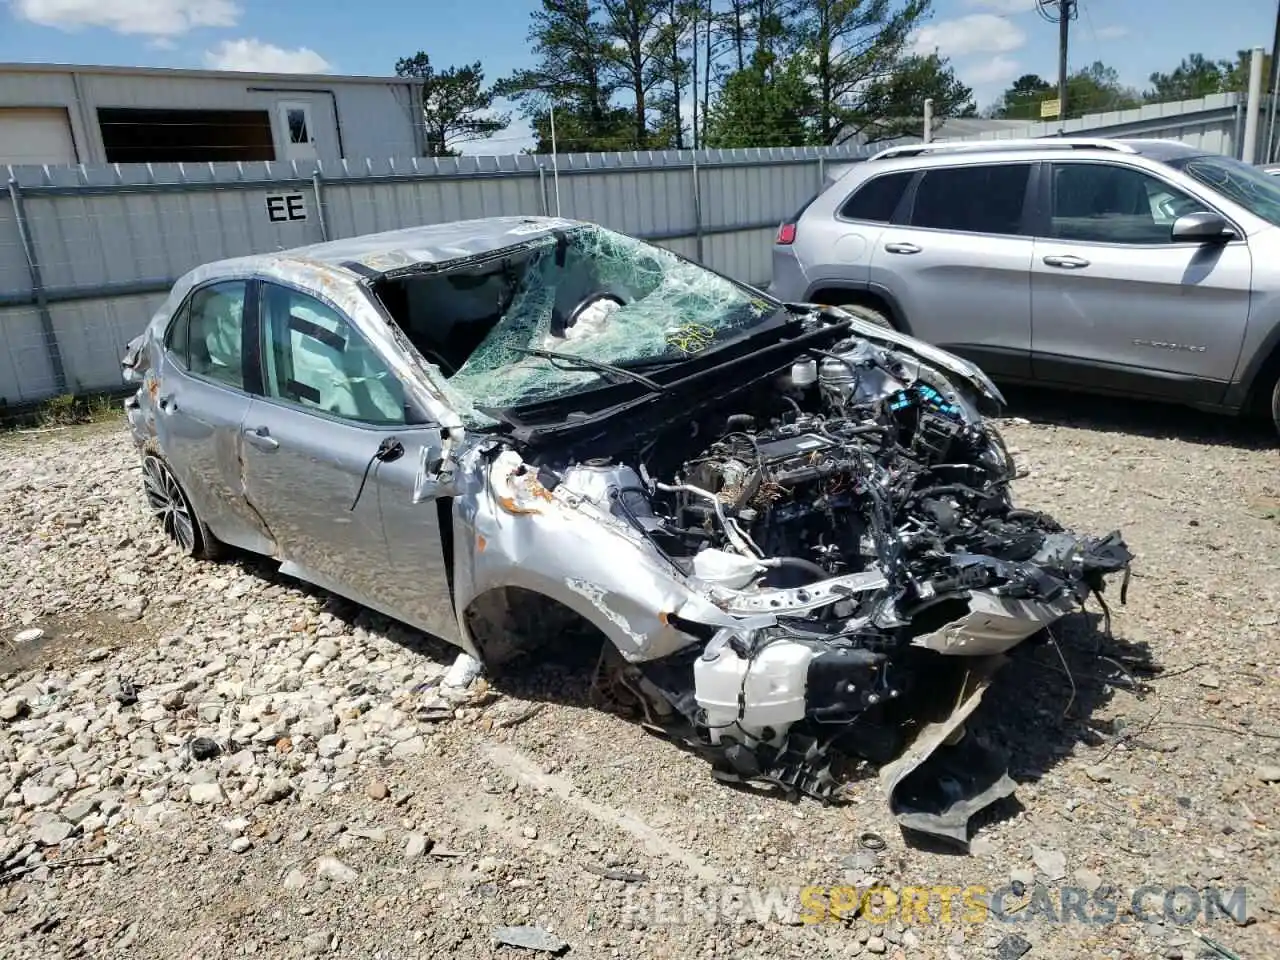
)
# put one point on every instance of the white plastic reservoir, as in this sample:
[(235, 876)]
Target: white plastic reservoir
[(772, 685)]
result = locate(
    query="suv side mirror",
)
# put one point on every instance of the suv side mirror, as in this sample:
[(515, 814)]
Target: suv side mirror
[(1202, 227)]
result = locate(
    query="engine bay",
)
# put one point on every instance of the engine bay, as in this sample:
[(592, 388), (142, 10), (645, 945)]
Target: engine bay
[(853, 509)]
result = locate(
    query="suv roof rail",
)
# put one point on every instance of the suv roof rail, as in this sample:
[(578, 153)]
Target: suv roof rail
[(991, 146)]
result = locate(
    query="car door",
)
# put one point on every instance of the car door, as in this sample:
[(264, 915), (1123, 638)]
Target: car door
[(959, 264), (1117, 304), (201, 398), (833, 251), (331, 454)]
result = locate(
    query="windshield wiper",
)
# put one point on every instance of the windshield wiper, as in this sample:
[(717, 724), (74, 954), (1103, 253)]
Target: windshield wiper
[(598, 365)]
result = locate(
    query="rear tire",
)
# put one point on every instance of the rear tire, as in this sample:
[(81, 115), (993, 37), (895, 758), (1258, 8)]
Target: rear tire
[(171, 507)]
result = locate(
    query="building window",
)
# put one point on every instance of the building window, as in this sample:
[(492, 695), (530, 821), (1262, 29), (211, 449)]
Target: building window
[(185, 136)]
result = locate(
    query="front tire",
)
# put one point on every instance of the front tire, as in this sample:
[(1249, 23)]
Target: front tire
[(171, 507)]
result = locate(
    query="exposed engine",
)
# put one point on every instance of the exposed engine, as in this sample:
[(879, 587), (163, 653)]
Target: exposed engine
[(861, 508)]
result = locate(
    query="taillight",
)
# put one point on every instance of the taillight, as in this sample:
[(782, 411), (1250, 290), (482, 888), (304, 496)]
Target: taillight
[(786, 234)]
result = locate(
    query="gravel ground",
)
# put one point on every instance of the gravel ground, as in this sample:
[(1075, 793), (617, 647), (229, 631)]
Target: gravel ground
[(353, 811)]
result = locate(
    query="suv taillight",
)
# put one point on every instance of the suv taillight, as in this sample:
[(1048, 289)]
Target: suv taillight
[(786, 234)]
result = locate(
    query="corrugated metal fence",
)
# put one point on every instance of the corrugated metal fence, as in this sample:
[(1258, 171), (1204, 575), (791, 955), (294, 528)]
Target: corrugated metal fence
[(87, 253), (1214, 123)]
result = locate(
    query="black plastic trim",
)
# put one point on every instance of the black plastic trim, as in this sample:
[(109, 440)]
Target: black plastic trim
[(1121, 379), (1237, 394)]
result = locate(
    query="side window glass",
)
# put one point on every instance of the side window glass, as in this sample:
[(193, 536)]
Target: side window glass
[(214, 331), (978, 199), (317, 360), (1101, 203), (175, 340), (876, 199)]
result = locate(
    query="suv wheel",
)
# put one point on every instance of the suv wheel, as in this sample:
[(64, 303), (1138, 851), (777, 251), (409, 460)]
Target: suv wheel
[(869, 314), (1275, 403)]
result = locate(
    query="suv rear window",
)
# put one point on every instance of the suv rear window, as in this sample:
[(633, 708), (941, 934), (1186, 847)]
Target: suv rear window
[(876, 199), (978, 199)]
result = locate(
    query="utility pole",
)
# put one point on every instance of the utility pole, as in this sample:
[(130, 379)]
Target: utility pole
[(1064, 22), (1061, 12)]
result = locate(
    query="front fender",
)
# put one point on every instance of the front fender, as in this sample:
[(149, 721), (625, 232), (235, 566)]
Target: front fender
[(513, 532)]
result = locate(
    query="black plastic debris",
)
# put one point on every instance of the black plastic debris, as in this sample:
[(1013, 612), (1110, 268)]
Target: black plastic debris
[(203, 748), (1012, 947), (126, 692), (616, 873), (530, 938)]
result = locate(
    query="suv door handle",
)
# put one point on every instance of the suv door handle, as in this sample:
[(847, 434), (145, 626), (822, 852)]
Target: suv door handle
[(1068, 262), (167, 404), (261, 437), (901, 248)]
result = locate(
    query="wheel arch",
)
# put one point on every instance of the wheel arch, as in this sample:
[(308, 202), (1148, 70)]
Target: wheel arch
[(875, 296)]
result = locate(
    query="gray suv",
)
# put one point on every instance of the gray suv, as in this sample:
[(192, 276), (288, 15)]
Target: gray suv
[(1142, 268)]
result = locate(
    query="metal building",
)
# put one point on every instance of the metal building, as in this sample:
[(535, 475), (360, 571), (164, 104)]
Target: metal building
[(63, 114)]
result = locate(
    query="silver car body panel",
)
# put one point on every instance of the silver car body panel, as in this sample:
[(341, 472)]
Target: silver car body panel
[(459, 515), (1184, 320)]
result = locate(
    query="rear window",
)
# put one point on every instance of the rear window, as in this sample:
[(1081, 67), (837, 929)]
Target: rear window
[(979, 199), (878, 198)]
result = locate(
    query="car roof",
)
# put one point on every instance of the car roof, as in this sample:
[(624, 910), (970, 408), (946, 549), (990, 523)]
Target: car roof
[(372, 254), (944, 153)]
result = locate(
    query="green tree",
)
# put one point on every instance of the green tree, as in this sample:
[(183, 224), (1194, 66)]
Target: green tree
[(673, 70), (1095, 89), (629, 55), (573, 72), (456, 108), (1195, 76), (1023, 98), (1236, 72), (856, 47), (898, 100), (767, 104)]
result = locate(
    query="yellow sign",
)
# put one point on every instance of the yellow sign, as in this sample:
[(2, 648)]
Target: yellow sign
[(1050, 108)]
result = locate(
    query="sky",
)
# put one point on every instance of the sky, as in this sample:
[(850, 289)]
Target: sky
[(989, 42)]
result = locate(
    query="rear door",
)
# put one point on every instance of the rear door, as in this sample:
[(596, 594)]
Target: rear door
[(201, 397), (959, 263), (312, 464), (1117, 304), (835, 251)]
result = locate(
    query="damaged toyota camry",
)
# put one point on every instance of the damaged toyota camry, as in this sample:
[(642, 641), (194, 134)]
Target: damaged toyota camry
[(793, 528)]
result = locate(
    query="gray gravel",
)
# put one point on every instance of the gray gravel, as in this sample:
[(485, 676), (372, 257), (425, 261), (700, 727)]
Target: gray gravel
[(351, 810)]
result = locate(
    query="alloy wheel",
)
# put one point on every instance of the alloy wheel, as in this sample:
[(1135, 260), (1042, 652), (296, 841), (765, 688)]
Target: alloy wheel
[(168, 503)]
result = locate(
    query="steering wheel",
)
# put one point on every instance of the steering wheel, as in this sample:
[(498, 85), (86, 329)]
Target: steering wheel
[(438, 359), (587, 302)]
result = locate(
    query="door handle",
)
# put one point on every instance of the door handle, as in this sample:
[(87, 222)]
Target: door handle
[(1067, 262), (901, 248), (261, 437), (167, 404)]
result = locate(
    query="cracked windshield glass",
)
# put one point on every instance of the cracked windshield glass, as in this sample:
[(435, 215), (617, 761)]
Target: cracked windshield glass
[(598, 295)]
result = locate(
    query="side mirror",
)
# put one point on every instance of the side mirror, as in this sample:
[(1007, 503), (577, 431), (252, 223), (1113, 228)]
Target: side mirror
[(1202, 227)]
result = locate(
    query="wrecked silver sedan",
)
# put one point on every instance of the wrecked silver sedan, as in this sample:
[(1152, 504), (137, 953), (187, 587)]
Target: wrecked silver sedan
[(793, 528)]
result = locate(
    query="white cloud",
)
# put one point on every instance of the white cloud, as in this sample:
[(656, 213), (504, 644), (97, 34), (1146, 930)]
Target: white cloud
[(1114, 32), (974, 33), (160, 18), (1002, 6), (996, 71), (255, 56)]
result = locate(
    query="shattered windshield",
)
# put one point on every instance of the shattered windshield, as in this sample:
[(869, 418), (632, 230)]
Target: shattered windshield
[(592, 293), (1257, 192)]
